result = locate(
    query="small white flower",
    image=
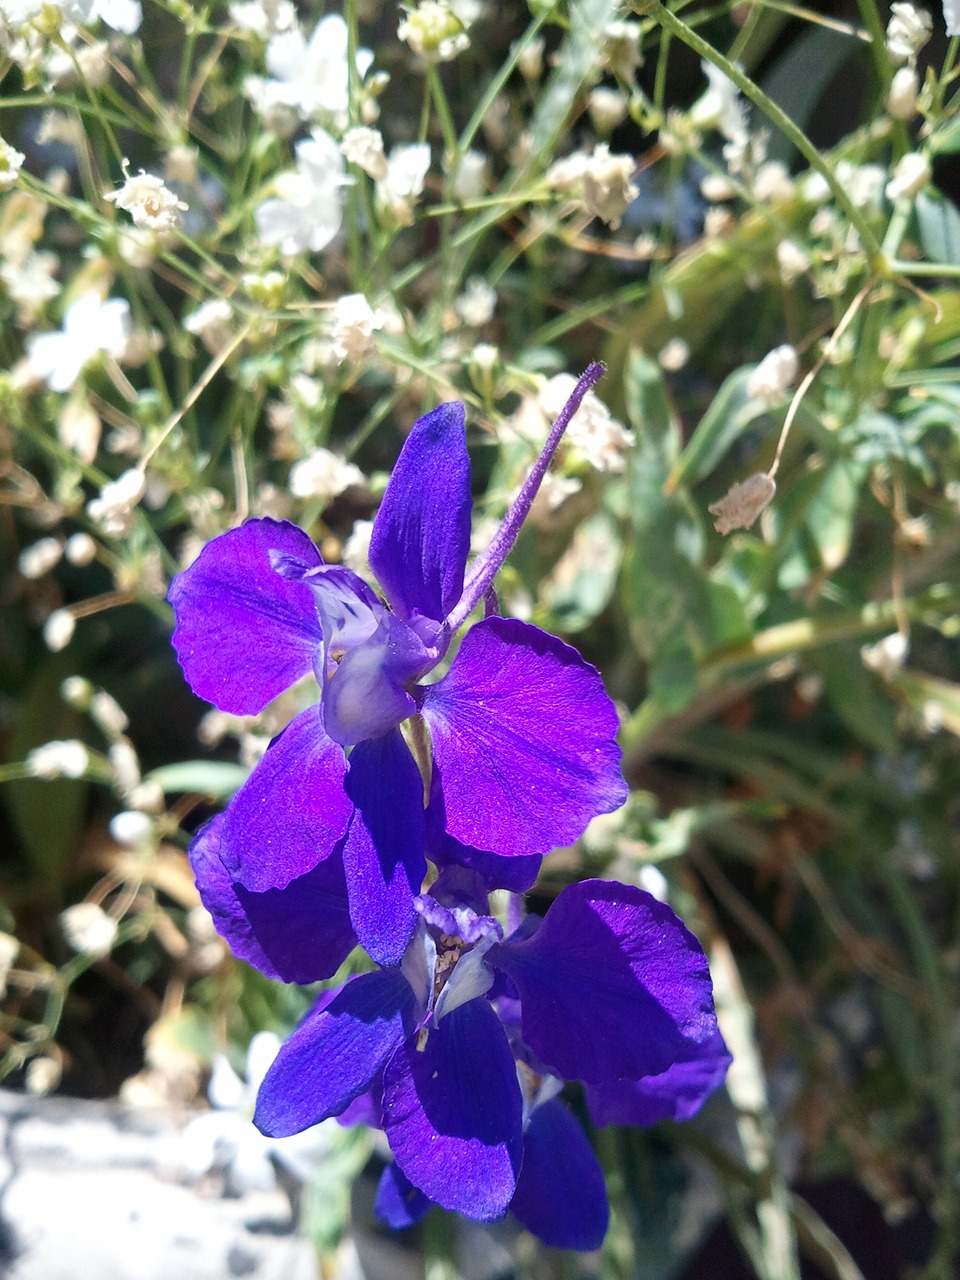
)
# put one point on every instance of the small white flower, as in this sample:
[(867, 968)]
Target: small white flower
[(264, 17), (11, 162), (530, 61), (887, 656), (911, 175), (674, 355), (434, 32), (721, 107), (772, 183), (772, 377), (309, 77), (77, 691), (363, 147), (472, 177), (122, 15), (356, 549), (132, 828), (323, 475), (62, 759), (475, 306), (108, 714), (80, 549), (593, 431), (90, 326), (951, 17), (88, 929), (909, 29), (602, 180), (620, 44), (792, 261), (151, 204), (30, 281), (354, 322), (40, 557), (42, 1076), (211, 323), (126, 766), (402, 185), (58, 630), (113, 509), (738, 508), (308, 210), (607, 107), (902, 98)]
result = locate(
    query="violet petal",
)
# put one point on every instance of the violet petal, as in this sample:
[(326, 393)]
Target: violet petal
[(399, 1204), (676, 1094), (561, 1193), (244, 633)]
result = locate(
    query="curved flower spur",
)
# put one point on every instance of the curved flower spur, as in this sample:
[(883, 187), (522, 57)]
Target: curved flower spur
[(522, 733)]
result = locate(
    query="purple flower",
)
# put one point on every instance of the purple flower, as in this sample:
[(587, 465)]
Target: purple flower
[(521, 733), (460, 1051)]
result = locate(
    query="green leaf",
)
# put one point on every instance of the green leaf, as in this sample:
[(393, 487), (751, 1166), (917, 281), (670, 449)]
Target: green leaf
[(832, 512), (215, 778), (730, 413), (939, 224), (583, 579)]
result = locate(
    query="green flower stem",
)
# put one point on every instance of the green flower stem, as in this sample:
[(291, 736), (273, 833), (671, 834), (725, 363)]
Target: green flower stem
[(777, 116), (499, 82)]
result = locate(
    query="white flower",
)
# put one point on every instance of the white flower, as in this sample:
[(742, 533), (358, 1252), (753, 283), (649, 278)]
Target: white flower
[(307, 211), (211, 323), (122, 15), (58, 630), (126, 766), (226, 1139), (403, 182), (792, 261), (88, 929), (602, 180), (354, 321), (89, 327), (620, 42), (769, 381), (264, 17), (674, 355), (720, 107), (40, 557), (951, 16), (363, 147), (911, 175), (108, 714), (309, 77), (113, 509), (909, 30), (11, 162), (887, 656), (475, 306), (132, 828), (80, 549), (434, 31), (61, 759), (472, 177), (607, 107), (593, 432), (356, 549), (30, 280), (738, 508), (150, 204), (902, 98), (323, 475)]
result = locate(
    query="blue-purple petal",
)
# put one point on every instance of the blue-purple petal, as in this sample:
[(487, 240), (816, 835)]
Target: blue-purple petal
[(244, 633), (335, 1053), (421, 535), (298, 934), (399, 1204), (383, 852), (452, 1113), (561, 1195), (524, 741), (518, 874), (676, 1094), (292, 810), (612, 985)]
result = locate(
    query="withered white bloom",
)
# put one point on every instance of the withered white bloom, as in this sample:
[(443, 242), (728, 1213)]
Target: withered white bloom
[(309, 77), (356, 549), (770, 380), (211, 323), (58, 630), (363, 147), (126, 766), (607, 107), (88, 929), (60, 759), (11, 162), (108, 714), (902, 99), (40, 557), (113, 510), (620, 47), (593, 432), (434, 31), (80, 550), (792, 261), (354, 322), (308, 208), (745, 501), (264, 17), (476, 305), (30, 281), (472, 177), (951, 16), (674, 355), (909, 29), (151, 204), (607, 186), (323, 475), (401, 187), (887, 656), (721, 107), (132, 828), (90, 326), (910, 176)]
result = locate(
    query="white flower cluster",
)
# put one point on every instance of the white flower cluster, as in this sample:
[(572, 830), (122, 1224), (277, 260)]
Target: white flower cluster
[(90, 326), (150, 203), (434, 31), (601, 180), (323, 475), (307, 210), (308, 78), (122, 15), (594, 432), (11, 162)]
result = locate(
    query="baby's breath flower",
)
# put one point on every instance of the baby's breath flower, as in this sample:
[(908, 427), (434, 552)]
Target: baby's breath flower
[(434, 32), (902, 98), (769, 381), (11, 162), (88, 929), (126, 765), (308, 208), (30, 281), (77, 692), (181, 165), (911, 175), (40, 557), (772, 182), (264, 17), (113, 509), (720, 107), (132, 828), (80, 549), (607, 107), (363, 147), (602, 179), (90, 326), (475, 306), (887, 655), (908, 31), (674, 355), (108, 714), (354, 321), (739, 508), (356, 549), (9, 947), (594, 432), (308, 78), (792, 261), (150, 204), (403, 183), (323, 475), (43, 1074), (58, 630), (620, 46), (472, 176), (211, 323), (60, 759), (79, 428)]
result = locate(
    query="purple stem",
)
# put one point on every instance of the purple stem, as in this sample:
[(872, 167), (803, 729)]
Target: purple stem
[(487, 565)]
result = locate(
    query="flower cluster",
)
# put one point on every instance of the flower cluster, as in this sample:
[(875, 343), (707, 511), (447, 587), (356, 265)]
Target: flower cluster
[(460, 1044)]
